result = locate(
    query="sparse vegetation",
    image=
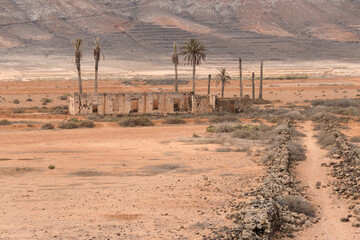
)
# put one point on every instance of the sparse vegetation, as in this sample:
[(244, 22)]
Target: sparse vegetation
[(16, 101), (297, 204), (174, 120), (51, 167), (47, 126), (29, 100), (75, 123), (5, 122), (222, 119), (355, 139), (325, 139), (135, 122), (46, 100)]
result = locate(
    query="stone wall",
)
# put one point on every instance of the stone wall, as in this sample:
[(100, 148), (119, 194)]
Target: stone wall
[(154, 103)]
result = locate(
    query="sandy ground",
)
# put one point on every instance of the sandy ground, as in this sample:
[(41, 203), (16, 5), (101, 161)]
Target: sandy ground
[(116, 183), (280, 91), (330, 208)]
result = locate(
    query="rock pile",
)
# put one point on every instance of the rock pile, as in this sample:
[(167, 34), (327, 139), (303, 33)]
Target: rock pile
[(347, 171), (264, 217)]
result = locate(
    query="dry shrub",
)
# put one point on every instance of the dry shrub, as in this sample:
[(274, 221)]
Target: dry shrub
[(136, 122), (47, 126), (326, 139), (297, 204), (295, 115), (355, 139), (323, 116), (159, 169), (297, 152), (340, 103), (75, 123), (174, 120), (222, 119), (5, 122), (224, 128)]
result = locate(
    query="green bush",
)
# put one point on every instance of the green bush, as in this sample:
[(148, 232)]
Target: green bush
[(174, 120), (4, 122), (16, 101), (29, 100), (211, 129), (51, 167), (135, 122)]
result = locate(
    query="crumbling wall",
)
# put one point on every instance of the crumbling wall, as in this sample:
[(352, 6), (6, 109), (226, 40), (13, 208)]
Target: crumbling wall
[(201, 104), (129, 103), (233, 105)]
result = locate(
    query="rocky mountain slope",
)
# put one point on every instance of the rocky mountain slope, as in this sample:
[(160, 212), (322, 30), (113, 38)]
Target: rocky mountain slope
[(144, 30)]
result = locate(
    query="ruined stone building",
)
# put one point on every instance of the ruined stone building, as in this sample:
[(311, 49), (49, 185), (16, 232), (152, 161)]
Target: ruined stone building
[(154, 103)]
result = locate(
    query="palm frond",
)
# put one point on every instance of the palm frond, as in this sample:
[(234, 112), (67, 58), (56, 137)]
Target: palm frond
[(222, 76), (194, 51)]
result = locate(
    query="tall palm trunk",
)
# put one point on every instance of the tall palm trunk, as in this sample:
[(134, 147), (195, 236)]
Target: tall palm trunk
[(253, 85), (209, 82), (261, 81), (241, 83), (176, 79), (96, 74), (194, 69), (222, 88), (78, 66)]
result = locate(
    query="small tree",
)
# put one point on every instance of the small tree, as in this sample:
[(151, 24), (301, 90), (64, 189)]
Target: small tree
[(97, 52), (223, 78), (175, 60), (194, 52), (77, 43)]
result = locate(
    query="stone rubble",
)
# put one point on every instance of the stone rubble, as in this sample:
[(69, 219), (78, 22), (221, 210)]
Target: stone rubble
[(347, 170), (263, 217)]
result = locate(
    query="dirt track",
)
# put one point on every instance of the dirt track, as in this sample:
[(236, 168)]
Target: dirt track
[(331, 209)]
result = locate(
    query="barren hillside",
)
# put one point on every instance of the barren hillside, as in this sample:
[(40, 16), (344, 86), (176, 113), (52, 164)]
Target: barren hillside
[(144, 30)]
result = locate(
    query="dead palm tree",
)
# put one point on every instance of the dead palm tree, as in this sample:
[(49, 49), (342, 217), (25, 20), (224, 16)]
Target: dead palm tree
[(223, 78), (175, 60), (97, 52), (77, 43), (194, 52)]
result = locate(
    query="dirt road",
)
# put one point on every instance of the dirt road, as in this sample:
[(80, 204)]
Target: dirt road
[(331, 209)]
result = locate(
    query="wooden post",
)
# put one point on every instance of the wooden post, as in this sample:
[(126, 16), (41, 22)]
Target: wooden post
[(261, 80), (253, 85), (240, 70), (209, 84)]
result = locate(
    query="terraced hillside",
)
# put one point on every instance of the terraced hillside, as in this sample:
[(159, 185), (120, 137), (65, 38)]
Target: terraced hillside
[(144, 30)]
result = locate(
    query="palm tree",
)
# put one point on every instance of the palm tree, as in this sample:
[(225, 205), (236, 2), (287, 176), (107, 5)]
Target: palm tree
[(194, 52), (77, 43), (223, 78), (97, 52), (175, 60)]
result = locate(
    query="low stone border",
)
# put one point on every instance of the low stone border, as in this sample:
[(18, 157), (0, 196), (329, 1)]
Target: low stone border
[(263, 217), (346, 171)]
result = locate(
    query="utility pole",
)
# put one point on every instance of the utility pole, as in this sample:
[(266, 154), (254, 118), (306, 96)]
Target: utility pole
[(261, 80), (241, 84), (209, 84), (253, 86)]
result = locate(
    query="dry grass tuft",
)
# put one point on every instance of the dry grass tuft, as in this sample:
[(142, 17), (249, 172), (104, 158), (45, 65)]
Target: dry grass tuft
[(297, 204), (136, 122)]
